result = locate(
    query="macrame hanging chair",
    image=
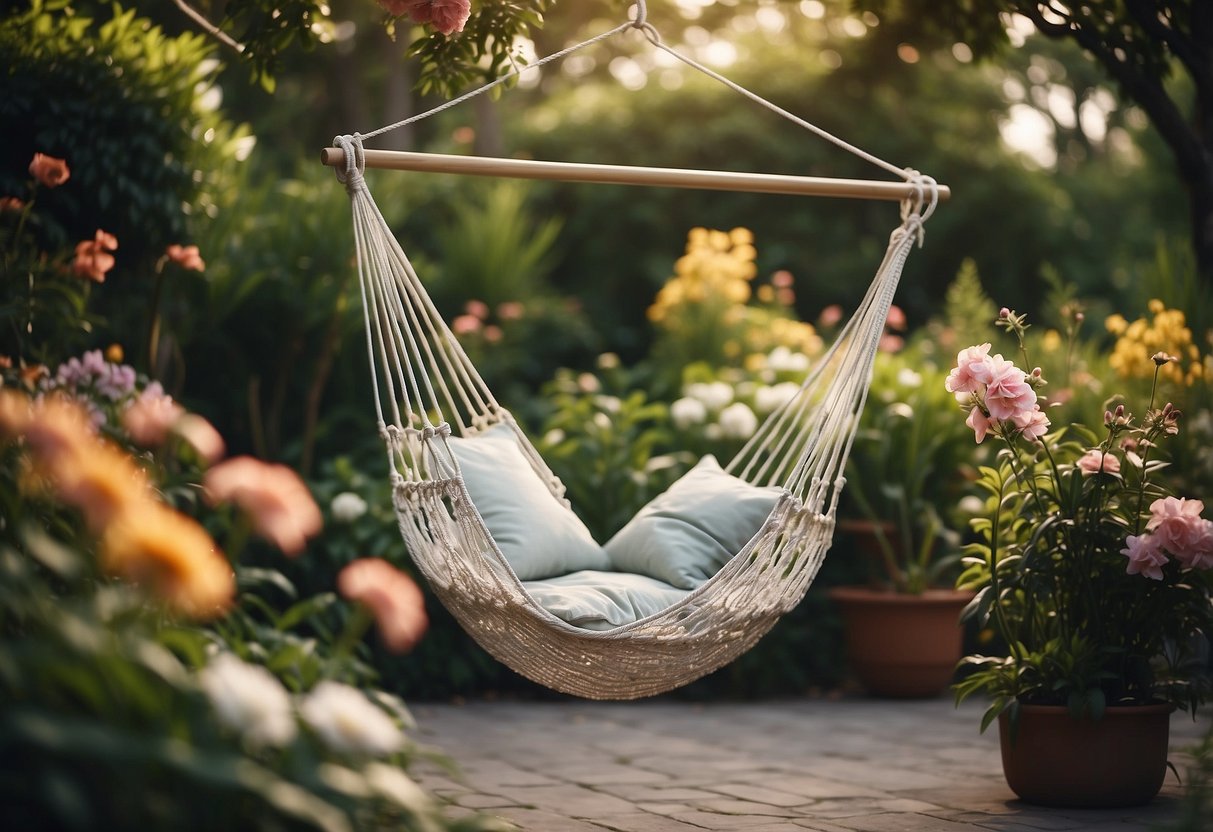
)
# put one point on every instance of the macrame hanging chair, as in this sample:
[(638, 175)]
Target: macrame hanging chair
[(426, 390)]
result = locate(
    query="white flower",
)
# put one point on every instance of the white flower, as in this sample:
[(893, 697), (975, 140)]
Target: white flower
[(908, 378), (396, 786), (713, 394), (608, 404), (971, 504), (770, 398), (784, 360), (247, 698), (553, 437), (687, 411), (347, 507), (737, 421), (348, 722)]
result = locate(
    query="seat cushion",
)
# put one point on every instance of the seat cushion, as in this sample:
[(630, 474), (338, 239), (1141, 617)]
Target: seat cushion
[(537, 533), (684, 536), (603, 600)]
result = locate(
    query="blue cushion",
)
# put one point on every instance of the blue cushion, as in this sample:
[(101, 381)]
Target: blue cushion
[(537, 533), (603, 600), (685, 535)]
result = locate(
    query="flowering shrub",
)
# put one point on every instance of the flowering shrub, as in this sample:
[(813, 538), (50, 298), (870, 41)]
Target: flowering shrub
[(704, 315), (1166, 332), (1095, 577)]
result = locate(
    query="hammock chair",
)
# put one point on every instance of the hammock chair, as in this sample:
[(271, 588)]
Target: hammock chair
[(432, 405)]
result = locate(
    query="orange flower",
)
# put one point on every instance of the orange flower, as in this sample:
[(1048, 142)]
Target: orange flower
[(274, 497), (84, 471), (49, 171), (173, 556), (11, 203), (186, 257), (93, 258), (15, 414), (391, 596)]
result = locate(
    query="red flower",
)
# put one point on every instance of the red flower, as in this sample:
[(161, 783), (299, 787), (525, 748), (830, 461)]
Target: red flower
[(93, 258), (49, 171), (186, 257)]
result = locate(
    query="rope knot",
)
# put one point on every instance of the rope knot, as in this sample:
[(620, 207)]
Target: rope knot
[(355, 161)]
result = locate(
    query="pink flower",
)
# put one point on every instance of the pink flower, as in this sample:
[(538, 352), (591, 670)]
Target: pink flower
[(447, 16), (273, 496), (1007, 392), (980, 423), (1145, 556), (1177, 525), (465, 325), (150, 418), (830, 316), (891, 343), (511, 310), (49, 171), (93, 258), (896, 319), (477, 309), (392, 597), (202, 436), (186, 257), (11, 203), (1032, 424), (972, 370), (1200, 556), (1097, 461)]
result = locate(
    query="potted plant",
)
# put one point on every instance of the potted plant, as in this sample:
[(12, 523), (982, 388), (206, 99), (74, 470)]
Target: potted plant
[(902, 627), (1094, 576)]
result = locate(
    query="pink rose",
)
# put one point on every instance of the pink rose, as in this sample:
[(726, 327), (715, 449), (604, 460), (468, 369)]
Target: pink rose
[(447, 16), (1200, 556), (980, 423), (1178, 526), (972, 370), (1008, 392), (150, 417), (1145, 556), (1097, 461), (1032, 424)]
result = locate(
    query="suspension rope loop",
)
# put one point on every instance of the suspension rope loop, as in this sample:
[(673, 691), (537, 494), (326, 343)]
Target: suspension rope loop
[(355, 161), (642, 15)]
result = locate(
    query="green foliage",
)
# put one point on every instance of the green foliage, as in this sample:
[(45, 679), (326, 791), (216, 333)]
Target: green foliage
[(483, 51), (127, 106), (1198, 797), (908, 468)]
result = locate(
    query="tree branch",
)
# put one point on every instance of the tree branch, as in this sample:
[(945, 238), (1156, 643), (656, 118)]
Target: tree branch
[(208, 27), (1146, 14), (1148, 92)]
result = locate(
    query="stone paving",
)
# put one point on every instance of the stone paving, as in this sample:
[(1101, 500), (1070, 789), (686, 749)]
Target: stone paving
[(851, 765)]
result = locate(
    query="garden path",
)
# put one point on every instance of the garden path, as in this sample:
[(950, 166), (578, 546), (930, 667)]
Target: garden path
[(850, 765)]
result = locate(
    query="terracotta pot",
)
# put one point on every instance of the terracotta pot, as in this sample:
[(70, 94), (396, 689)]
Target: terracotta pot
[(1056, 760), (903, 646)]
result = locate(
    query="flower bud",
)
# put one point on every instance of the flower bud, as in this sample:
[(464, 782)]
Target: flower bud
[(1004, 313), (1160, 358)]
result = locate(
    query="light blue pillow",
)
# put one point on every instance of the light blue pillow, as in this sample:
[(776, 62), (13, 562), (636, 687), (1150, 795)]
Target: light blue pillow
[(539, 535), (603, 600), (685, 535)]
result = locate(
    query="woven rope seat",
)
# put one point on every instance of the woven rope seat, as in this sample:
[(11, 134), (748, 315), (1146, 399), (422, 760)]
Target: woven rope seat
[(429, 398)]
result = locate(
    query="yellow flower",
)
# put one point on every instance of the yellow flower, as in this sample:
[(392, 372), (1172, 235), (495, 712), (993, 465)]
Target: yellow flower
[(741, 236), (1051, 341), (1116, 324)]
